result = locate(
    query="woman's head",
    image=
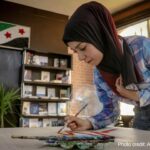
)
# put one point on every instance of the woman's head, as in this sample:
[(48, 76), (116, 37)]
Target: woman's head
[(92, 24), (86, 52)]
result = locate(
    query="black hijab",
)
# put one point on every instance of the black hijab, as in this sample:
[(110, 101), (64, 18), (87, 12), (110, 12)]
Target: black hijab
[(92, 23)]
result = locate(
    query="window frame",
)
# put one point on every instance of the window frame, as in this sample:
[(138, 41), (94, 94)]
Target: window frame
[(132, 14)]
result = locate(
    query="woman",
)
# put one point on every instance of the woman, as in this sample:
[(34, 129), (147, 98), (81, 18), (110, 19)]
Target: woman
[(122, 66)]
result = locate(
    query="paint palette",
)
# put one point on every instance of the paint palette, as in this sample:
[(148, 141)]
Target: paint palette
[(81, 141)]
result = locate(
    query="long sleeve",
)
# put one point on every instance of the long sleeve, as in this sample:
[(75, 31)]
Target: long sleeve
[(144, 89), (110, 104), (140, 49)]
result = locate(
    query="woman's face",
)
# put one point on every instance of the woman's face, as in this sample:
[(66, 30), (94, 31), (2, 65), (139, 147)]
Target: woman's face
[(86, 52)]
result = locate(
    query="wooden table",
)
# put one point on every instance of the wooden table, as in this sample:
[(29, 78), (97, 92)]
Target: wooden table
[(126, 139)]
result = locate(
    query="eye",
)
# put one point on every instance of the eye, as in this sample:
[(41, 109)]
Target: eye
[(83, 48), (74, 51)]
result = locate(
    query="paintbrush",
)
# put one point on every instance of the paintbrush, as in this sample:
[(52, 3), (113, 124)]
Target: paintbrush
[(30, 137), (82, 108)]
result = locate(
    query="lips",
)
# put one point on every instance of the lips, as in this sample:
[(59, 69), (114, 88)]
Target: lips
[(89, 61)]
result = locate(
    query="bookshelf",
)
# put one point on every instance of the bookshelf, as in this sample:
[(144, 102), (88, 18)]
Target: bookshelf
[(46, 88)]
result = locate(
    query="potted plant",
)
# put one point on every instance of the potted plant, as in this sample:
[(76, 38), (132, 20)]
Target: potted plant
[(7, 99)]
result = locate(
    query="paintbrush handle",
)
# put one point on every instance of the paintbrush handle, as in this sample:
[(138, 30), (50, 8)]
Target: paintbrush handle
[(30, 137), (81, 110), (59, 131)]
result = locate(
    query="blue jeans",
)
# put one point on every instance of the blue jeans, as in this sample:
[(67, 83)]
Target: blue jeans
[(142, 118)]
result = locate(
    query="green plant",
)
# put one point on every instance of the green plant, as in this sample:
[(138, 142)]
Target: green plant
[(7, 99)]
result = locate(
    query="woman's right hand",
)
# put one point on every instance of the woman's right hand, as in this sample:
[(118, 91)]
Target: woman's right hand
[(75, 123)]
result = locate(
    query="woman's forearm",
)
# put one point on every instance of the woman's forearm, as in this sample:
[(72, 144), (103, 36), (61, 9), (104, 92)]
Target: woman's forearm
[(130, 94)]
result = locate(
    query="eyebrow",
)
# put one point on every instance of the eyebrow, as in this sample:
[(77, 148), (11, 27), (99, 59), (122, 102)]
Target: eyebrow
[(77, 45)]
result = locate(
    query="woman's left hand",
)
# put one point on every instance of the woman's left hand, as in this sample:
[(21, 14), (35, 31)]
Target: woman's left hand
[(119, 85), (130, 94)]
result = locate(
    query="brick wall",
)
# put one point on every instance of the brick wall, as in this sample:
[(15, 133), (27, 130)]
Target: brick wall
[(81, 75)]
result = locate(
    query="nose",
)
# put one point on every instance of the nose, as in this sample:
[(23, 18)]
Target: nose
[(81, 56)]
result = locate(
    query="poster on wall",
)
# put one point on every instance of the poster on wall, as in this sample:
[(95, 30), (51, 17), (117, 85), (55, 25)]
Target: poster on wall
[(14, 35)]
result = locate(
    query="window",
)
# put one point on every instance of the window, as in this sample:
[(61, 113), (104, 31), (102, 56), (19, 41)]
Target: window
[(141, 28)]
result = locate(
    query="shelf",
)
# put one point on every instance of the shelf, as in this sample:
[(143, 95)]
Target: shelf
[(30, 66), (44, 100), (47, 83), (54, 87), (38, 116)]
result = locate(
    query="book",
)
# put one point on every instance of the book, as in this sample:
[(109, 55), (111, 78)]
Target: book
[(44, 97), (34, 97), (43, 109), (36, 76), (40, 91), (63, 63), (27, 90), (53, 122), (60, 122), (34, 108), (26, 108), (40, 123), (29, 58), (64, 93), (38, 81), (51, 92), (28, 75), (25, 122), (36, 60), (45, 76), (43, 60), (33, 123), (56, 62), (66, 78), (64, 98), (46, 123), (56, 81), (59, 76), (52, 109), (62, 109)]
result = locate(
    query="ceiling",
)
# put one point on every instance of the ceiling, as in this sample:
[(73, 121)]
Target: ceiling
[(67, 7)]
